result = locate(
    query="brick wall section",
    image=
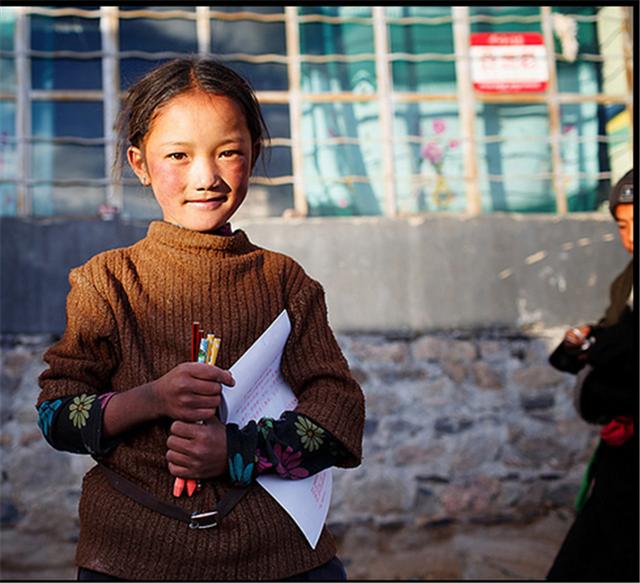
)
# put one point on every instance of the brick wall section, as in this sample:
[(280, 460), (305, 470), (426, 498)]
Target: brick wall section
[(469, 436)]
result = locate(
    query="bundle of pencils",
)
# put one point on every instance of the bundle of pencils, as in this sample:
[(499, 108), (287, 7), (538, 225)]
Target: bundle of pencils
[(203, 349)]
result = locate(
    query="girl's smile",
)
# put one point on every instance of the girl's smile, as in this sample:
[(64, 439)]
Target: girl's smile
[(197, 157)]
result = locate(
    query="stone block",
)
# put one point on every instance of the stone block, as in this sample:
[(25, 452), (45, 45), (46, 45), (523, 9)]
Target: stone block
[(383, 493), (484, 376), (475, 497), (413, 454), (461, 350), (478, 448), (385, 353), (15, 361), (452, 425), (537, 402), (370, 426), (490, 348), (401, 374), (33, 552), (455, 370), (10, 515), (538, 377), (540, 451), (428, 348), (30, 436), (360, 375)]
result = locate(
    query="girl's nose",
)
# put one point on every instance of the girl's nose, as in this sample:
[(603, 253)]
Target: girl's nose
[(205, 174)]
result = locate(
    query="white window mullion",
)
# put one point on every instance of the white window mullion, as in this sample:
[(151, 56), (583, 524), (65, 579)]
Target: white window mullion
[(553, 105), (295, 108), (385, 101), (466, 107), (111, 98), (203, 30), (23, 111)]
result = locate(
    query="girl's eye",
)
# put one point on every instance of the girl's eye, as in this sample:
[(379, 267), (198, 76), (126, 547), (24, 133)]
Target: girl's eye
[(228, 153), (177, 156)]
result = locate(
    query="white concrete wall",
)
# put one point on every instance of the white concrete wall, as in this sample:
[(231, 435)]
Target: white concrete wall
[(407, 275)]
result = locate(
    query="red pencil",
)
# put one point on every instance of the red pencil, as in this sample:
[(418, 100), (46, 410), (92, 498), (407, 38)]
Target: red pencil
[(196, 335)]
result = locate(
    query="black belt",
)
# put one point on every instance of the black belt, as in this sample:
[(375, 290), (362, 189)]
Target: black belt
[(195, 520)]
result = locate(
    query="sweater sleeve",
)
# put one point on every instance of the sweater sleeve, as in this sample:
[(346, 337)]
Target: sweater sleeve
[(318, 373), (84, 359)]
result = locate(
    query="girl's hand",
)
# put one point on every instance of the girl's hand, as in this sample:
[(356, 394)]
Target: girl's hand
[(197, 450), (575, 337), (190, 391)]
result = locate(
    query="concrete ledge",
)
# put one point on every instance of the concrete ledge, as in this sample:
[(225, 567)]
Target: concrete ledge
[(406, 275)]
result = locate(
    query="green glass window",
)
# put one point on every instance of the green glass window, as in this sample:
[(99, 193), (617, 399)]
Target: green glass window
[(69, 158), (363, 107), (418, 31), (7, 63), (428, 157), (514, 158), (342, 162), (65, 33), (8, 162), (581, 150), (344, 45), (8, 158), (157, 35)]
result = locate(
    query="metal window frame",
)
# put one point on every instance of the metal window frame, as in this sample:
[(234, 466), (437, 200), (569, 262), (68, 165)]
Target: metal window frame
[(23, 110), (460, 19)]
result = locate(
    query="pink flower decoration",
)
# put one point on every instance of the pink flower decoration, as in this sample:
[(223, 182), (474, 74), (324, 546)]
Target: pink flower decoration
[(342, 203), (289, 462), (432, 152), (453, 144), (439, 126), (263, 462)]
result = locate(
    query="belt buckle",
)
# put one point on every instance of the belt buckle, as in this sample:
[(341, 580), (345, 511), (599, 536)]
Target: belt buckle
[(200, 520)]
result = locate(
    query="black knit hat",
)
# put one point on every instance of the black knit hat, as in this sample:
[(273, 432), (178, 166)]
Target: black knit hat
[(622, 192)]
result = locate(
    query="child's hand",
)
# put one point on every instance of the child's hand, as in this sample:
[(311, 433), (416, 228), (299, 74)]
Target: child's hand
[(574, 338), (190, 391), (197, 450)]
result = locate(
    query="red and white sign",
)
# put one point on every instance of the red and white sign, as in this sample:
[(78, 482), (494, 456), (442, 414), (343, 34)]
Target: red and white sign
[(508, 62)]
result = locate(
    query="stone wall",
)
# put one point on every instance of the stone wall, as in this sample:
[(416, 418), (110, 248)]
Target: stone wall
[(472, 458)]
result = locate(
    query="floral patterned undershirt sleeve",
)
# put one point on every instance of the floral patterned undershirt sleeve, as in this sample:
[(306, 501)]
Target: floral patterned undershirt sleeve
[(75, 423), (293, 447)]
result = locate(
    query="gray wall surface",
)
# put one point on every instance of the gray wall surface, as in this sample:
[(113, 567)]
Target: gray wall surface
[(407, 275)]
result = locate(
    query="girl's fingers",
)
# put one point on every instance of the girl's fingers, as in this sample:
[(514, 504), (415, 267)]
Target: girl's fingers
[(206, 372), (178, 459), (179, 444), (205, 388), (180, 429), (179, 471)]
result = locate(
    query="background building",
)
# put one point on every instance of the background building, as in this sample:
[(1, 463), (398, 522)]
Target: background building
[(372, 109), (447, 192)]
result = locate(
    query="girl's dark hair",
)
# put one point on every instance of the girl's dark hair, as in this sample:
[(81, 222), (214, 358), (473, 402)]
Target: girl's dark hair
[(178, 76)]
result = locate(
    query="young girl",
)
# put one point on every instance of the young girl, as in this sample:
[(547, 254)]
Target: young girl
[(120, 386)]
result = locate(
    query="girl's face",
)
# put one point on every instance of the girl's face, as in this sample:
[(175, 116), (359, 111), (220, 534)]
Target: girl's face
[(197, 157), (624, 218)]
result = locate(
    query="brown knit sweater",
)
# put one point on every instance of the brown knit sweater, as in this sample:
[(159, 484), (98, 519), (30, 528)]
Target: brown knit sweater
[(129, 315)]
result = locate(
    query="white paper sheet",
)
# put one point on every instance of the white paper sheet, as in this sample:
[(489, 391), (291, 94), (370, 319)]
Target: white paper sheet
[(261, 391)]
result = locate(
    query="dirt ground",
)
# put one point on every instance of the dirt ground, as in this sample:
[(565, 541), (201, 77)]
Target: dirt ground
[(494, 552)]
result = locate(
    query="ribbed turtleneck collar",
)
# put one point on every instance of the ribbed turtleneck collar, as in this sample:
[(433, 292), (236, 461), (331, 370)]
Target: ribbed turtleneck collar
[(188, 241)]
